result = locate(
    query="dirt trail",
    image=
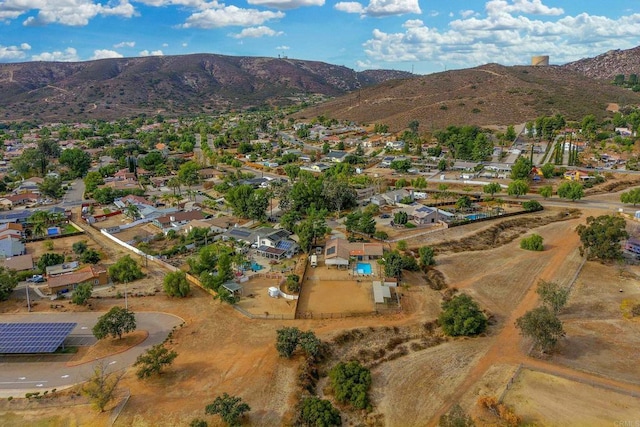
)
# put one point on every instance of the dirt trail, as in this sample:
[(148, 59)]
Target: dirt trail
[(506, 345)]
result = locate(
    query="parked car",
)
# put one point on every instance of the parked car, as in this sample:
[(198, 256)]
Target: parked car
[(385, 216), (36, 278)]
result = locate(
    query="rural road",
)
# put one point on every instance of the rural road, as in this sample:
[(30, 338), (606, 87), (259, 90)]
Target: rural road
[(20, 374)]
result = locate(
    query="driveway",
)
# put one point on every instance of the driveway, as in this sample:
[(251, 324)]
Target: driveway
[(20, 374)]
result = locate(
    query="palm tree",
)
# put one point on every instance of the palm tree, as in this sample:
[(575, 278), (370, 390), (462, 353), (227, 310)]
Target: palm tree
[(174, 183), (132, 211)]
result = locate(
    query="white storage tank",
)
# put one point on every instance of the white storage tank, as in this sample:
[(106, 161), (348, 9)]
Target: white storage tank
[(274, 292)]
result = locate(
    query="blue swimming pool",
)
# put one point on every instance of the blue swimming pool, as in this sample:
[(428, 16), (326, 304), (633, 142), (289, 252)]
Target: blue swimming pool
[(363, 268), (473, 217)]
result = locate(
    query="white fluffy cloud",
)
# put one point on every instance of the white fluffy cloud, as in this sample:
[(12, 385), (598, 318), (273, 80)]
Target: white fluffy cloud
[(105, 53), (67, 55), (507, 34), (380, 8), (230, 16), (151, 53), (124, 44), (283, 48), (256, 32), (530, 7), (286, 4), (11, 53), (64, 12)]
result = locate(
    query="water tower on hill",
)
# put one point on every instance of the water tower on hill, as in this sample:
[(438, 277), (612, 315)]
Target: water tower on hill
[(540, 60)]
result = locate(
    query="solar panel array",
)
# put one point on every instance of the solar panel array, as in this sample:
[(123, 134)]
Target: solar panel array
[(284, 244), (20, 338)]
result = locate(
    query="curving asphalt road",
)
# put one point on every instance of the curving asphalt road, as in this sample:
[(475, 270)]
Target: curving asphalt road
[(20, 374)]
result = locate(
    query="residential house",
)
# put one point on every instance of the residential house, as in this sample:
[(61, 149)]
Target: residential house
[(395, 145), (124, 175), (64, 268), (22, 199), (268, 242), (420, 214), (577, 175), (11, 246), (337, 156), (18, 263), (340, 252), (93, 274), (131, 199), (12, 229), (391, 197), (176, 220), (30, 185)]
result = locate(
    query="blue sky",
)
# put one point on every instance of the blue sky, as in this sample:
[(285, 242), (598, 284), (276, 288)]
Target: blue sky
[(421, 35)]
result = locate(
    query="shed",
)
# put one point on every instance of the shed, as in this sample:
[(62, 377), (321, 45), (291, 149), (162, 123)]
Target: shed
[(381, 293), (233, 287)]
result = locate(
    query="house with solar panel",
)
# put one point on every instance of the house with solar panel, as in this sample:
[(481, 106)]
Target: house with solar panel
[(268, 242), (96, 275)]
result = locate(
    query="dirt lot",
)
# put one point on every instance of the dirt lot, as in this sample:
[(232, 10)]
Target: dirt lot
[(548, 400), (256, 297), (597, 333), (61, 246)]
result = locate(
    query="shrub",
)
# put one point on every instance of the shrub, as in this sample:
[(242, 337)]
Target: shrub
[(532, 243), (293, 283), (350, 382), (531, 206), (462, 316)]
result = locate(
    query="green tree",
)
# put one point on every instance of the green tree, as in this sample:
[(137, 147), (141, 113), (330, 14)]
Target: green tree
[(51, 186), (230, 409), (125, 270), (400, 218), (521, 169), (426, 257), (78, 161), (350, 382), (311, 228), (571, 190), (548, 170), (546, 191), (8, 283), (517, 188), (463, 202), (176, 284), (393, 264), (154, 360), (532, 243), (48, 259), (492, 188), (92, 180), (632, 196), (510, 134), (462, 316), (188, 173), (601, 237), (114, 323), (402, 245), (552, 295), (80, 247), (316, 412), (198, 422), (287, 341), (101, 387), (456, 417), (402, 166), (542, 326), (82, 293), (90, 256)]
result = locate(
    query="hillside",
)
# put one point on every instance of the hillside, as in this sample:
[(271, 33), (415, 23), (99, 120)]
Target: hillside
[(491, 94), (171, 85), (609, 64)]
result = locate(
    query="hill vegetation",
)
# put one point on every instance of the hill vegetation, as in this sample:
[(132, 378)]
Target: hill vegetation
[(169, 85), (491, 94)]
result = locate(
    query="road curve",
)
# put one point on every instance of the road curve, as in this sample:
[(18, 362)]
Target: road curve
[(21, 374)]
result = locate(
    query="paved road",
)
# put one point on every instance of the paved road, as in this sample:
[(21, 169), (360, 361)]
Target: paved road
[(21, 374)]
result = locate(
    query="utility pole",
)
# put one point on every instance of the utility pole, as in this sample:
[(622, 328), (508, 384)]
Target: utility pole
[(126, 303), (28, 301)]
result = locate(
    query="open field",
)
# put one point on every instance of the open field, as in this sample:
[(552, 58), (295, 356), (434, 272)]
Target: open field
[(335, 297), (256, 299), (547, 400), (597, 332), (61, 245)]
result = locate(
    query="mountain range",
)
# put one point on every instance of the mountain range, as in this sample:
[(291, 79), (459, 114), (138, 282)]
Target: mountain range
[(171, 85), (189, 85)]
